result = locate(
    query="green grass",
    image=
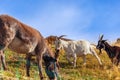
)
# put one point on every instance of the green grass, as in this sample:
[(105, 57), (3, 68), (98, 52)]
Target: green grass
[(91, 71)]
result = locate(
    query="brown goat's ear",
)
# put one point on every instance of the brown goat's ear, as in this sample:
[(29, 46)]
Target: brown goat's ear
[(101, 37)]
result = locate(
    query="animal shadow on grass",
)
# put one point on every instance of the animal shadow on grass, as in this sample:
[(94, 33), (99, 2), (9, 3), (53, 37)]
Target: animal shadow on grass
[(20, 63), (65, 65)]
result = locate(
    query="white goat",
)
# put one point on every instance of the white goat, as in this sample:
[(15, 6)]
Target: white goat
[(76, 48)]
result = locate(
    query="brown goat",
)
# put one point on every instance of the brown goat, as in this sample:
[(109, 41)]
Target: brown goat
[(22, 38)]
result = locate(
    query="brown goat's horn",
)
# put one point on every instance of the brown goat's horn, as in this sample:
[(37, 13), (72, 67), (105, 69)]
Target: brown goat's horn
[(61, 36)]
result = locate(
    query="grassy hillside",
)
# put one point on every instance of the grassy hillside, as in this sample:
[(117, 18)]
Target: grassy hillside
[(92, 70)]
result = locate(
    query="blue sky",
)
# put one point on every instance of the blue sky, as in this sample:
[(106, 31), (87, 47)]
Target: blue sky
[(78, 19)]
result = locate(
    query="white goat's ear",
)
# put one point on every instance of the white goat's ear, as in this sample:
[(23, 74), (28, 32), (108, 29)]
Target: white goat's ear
[(101, 37)]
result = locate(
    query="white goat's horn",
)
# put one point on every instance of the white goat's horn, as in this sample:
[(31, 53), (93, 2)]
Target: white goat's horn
[(61, 36)]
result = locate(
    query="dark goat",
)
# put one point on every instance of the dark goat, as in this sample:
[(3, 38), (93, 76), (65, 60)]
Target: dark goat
[(112, 51)]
